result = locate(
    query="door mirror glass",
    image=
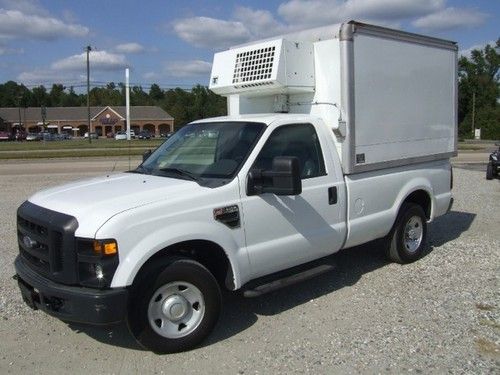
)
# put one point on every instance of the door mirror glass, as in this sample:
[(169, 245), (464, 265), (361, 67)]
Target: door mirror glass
[(282, 179)]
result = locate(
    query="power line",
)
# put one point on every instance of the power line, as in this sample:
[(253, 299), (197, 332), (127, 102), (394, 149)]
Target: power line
[(101, 84)]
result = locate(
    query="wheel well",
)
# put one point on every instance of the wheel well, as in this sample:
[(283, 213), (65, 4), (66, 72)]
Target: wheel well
[(208, 253), (422, 198)]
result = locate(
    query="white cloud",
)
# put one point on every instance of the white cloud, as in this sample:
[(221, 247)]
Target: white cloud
[(211, 32), (451, 18), (99, 60), (16, 24), (260, 23), (250, 24), (130, 48), (41, 76), (310, 13), (6, 50), (25, 6), (188, 68)]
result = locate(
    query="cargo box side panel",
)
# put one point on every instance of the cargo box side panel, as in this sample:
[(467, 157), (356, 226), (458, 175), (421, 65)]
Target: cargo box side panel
[(405, 102)]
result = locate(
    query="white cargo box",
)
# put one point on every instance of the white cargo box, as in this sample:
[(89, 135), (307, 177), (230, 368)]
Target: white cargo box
[(390, 97)]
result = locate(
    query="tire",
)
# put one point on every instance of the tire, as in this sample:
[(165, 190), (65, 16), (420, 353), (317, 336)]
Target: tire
[(175, 308), (408, 236), (489, 172)]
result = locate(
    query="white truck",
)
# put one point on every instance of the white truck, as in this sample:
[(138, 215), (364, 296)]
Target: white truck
[(335, 137)]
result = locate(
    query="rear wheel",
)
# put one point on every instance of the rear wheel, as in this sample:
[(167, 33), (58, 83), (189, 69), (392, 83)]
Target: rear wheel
[(489, 171), (408, 237), (176, 308)]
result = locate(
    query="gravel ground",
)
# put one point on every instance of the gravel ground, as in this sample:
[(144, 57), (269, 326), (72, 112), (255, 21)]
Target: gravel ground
[(440, 314)]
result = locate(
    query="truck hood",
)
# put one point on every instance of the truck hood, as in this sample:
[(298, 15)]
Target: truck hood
[(94, 201)]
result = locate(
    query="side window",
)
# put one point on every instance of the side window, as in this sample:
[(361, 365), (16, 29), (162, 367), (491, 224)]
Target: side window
[(299, 140)]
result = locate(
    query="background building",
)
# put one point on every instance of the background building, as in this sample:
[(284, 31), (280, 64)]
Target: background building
[(74, 119)]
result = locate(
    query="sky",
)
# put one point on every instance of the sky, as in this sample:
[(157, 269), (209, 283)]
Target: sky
[(172, 42)]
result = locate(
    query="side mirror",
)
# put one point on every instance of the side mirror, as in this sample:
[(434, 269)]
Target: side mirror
[(282, 179), (146, 155)]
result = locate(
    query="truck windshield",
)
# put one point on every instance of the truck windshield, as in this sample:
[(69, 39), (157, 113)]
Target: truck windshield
[(204, 150)]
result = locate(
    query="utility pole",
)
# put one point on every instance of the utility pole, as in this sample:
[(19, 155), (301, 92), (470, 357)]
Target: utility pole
[(88, 49), (19, 130), (473, 114), (127, 101)]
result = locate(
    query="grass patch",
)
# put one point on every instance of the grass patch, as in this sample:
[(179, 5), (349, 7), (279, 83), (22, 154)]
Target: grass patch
[(484, 306), (487, 346), (76, 148), (79, 144), (51, 154), (465, 147), (489, 323)]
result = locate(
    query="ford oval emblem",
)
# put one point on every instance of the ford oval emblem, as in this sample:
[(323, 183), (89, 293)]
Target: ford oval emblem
[(28, 242)]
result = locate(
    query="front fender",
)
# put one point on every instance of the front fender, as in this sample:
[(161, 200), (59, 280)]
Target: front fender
[(138, 254)]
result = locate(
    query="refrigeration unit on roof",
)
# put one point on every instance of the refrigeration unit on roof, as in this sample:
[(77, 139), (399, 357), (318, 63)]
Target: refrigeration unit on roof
[(273, 67)]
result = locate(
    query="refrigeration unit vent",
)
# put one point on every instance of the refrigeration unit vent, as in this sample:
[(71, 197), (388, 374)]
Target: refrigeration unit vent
[(254, 65)]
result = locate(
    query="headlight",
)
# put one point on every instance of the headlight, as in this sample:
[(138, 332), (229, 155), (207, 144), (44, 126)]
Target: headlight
[(97, 262), (494, 157)]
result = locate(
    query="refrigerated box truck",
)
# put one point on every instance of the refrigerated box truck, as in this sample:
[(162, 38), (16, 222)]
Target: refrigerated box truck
[(335, 137)]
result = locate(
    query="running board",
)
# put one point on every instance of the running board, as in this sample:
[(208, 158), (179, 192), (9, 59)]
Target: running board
[(287, 281)]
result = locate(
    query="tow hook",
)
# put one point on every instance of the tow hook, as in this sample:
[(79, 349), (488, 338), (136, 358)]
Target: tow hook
[(53, 303)]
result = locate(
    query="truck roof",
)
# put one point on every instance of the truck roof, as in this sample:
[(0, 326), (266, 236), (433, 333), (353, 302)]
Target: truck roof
[(266, 118)]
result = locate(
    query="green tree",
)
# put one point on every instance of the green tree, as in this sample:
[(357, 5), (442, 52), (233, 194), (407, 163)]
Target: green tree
[(40, 97), (156, 93), (56, 95), (479, 88)]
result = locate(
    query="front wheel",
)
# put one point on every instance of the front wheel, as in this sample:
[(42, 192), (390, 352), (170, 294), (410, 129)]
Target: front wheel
[(408, 236), (176, 308), (489, 171)]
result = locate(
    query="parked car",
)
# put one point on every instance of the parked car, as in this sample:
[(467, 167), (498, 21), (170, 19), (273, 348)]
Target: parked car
[(121, 135), (47, 136), (33, 137), (166, 135), (144, 134), (93, 135), (66, 135), (5, 136), (20, 135)]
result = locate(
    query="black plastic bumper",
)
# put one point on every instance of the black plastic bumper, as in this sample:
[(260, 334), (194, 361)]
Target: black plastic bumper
[(70, 303)]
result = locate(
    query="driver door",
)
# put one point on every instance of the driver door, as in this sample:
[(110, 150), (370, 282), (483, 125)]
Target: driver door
[(285, 231)]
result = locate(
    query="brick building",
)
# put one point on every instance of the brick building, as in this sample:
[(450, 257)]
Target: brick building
[(74, 119)]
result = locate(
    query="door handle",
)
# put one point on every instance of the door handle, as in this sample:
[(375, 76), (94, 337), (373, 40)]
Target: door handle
[(332, 195)]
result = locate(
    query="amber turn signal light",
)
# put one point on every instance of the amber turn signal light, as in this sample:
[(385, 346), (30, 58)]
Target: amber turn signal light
[(105, 247)]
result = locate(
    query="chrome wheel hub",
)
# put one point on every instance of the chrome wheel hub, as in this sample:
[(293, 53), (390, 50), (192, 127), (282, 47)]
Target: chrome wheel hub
[(413, 234), (176, 309)]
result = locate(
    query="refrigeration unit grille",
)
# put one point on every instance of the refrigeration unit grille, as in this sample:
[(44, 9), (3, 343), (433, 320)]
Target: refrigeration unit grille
[(254, 65)]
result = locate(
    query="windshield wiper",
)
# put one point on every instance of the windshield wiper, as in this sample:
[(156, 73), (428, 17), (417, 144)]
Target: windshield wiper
[(180, 172), (140, 169)]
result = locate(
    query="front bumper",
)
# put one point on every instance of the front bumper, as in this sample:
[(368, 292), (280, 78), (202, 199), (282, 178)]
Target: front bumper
[(70, 303)]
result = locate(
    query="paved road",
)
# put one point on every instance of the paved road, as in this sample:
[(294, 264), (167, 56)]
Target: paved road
[(469, 160), (63, 166)]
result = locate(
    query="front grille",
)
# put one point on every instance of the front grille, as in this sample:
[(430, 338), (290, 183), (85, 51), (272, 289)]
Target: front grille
[(46, 241)]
